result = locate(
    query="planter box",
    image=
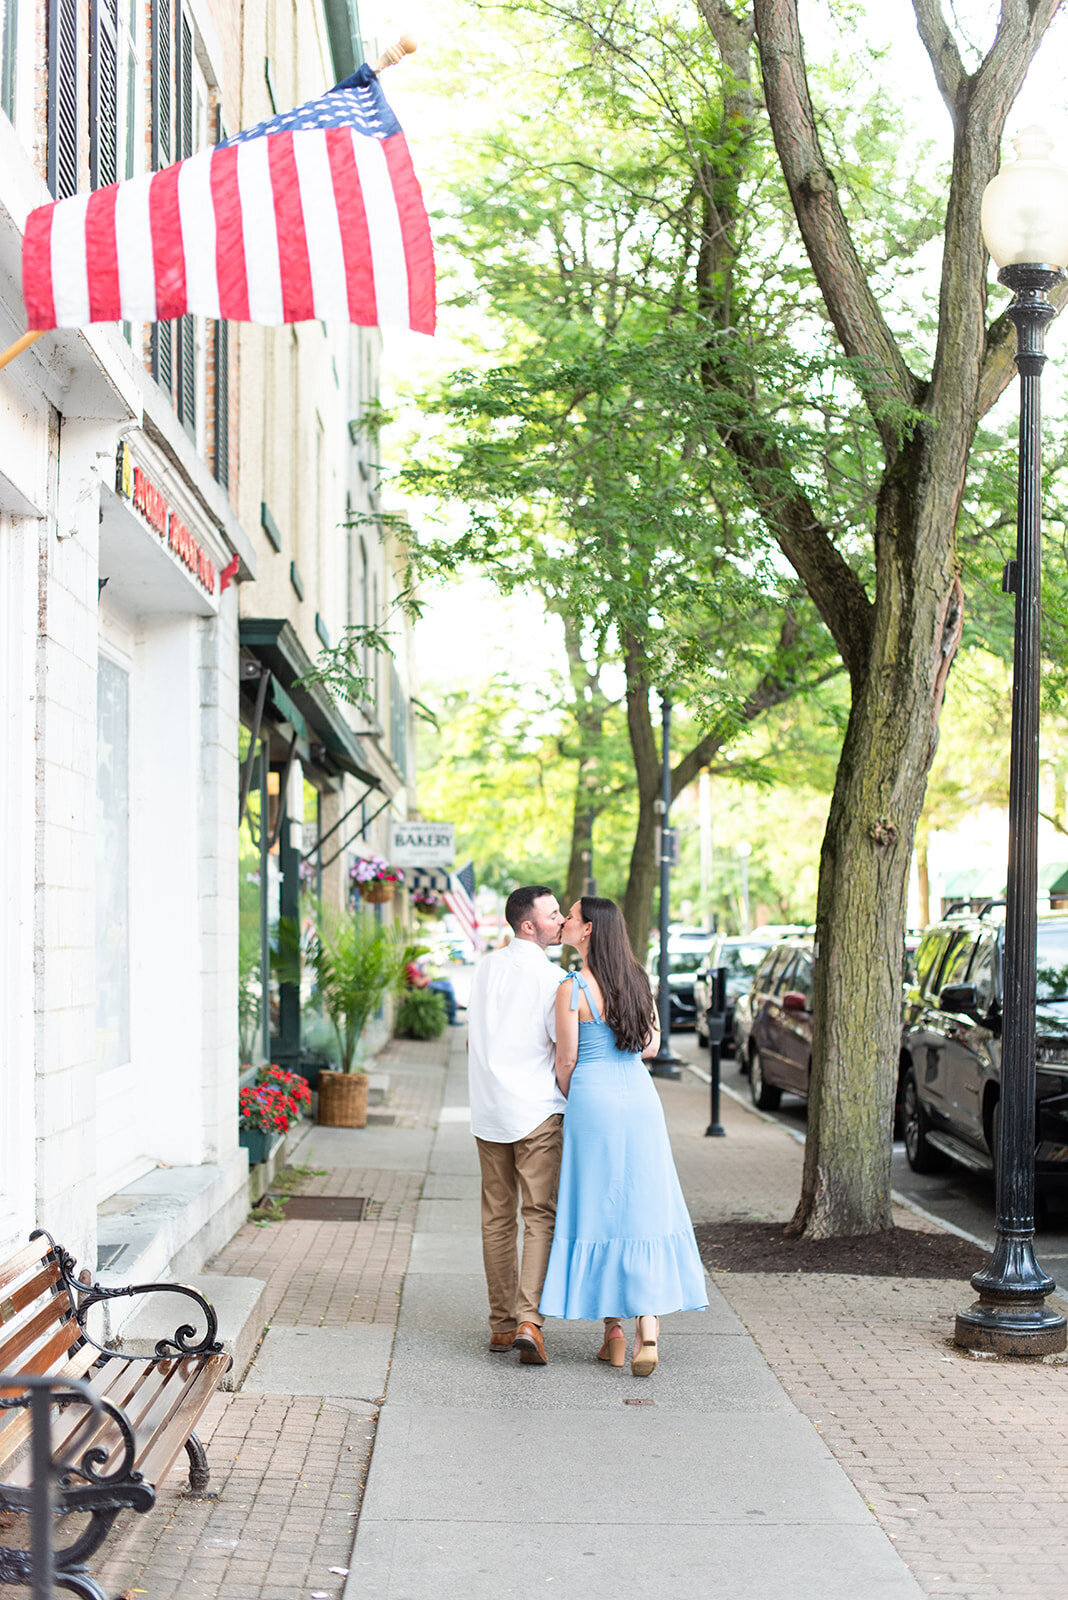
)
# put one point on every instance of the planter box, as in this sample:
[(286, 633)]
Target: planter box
[(256, 1143)]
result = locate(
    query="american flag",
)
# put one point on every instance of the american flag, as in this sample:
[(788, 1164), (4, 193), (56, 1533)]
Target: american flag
[(460, 899), (316, 213)]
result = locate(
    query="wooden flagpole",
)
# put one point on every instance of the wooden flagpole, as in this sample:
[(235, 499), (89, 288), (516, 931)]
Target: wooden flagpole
[(405, 46), (20, 345)]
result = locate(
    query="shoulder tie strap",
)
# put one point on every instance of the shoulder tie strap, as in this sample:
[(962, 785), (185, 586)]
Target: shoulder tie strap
[(584, 986)]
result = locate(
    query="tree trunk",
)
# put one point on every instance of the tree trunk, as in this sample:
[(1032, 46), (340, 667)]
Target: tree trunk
[(591, 706), (867, 848), (642, 877), (582, 818)]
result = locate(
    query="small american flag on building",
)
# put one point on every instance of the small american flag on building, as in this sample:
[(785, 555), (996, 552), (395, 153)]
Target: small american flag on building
[(460, 899), (316, 213)]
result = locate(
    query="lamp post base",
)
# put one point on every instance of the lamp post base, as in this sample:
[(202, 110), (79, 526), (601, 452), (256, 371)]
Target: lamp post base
[(665, 1065), (1010, 1328), (1010, 1317)]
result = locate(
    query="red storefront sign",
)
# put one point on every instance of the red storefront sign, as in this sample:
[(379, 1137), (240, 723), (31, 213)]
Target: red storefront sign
[(134, 484)]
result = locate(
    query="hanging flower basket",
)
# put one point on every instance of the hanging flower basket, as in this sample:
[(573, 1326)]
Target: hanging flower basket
[(376, 880), (428, 903), (378, 891), (343, 1099)]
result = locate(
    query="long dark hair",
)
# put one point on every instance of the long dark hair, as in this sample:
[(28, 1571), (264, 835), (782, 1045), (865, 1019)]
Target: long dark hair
[(628, 999)]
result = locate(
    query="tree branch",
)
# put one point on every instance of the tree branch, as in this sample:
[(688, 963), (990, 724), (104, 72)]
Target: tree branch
[(847, 294), (941, 47)]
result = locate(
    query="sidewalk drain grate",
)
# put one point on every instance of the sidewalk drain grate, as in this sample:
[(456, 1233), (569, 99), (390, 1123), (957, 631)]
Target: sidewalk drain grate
[(328, 1207), (639, 1402)]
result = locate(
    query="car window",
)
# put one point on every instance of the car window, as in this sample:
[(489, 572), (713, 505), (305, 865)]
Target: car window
[(955, 965), (684, 960), (800, 976), (928, 958), (1052, 961), (981, 972), (766, 974), (741, 960), (773, 978)]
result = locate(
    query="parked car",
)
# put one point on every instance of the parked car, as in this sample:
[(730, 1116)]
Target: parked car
[(686, 950), (741, 954), (780, 1039), (950, 1071)]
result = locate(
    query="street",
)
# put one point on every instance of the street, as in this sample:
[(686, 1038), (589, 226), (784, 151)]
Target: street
[(961, 1200)]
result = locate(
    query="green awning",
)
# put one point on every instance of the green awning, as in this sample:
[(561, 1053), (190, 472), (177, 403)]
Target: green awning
[(274, 643)]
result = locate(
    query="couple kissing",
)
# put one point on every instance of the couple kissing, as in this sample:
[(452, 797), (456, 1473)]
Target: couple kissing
[(570, 1131)]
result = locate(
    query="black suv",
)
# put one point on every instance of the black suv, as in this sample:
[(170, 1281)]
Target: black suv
[(951, 1046)]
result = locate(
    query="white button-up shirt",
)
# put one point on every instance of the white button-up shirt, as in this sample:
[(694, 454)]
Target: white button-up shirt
[(511, 1043)]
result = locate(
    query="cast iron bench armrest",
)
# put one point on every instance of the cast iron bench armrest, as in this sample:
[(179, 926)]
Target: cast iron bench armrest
[(86, 1295)]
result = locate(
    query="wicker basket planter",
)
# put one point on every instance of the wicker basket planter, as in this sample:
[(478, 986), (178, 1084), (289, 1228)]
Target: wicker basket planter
[(378, 891), (343, 1099), (428, 913)]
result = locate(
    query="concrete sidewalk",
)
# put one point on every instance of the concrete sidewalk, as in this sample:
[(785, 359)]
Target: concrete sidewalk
[(806, 1436)]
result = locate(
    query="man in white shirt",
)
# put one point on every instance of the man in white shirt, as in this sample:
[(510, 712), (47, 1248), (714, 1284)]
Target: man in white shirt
[(517, 1116)]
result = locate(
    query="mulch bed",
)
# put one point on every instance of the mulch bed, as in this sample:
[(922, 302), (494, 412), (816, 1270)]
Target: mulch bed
[(895, 1253)]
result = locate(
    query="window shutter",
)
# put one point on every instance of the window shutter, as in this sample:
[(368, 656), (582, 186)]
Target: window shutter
[(184, 42), (63, 98), (187, 375), (222, 404), (185, 337), (163, 354), (103, 92), (9, 51), (162, 83)]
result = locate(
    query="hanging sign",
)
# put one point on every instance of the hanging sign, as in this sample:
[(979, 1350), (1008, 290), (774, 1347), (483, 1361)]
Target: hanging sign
[(422, 844)]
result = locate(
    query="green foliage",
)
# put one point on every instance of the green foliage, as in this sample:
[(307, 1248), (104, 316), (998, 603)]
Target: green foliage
[(421, 1015), (357, 962)]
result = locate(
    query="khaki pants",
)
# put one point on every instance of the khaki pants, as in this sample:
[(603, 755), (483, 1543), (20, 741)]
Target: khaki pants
[(530, 1169)]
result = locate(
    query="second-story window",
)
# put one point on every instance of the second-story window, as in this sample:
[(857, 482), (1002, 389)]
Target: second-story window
[(63, 98)]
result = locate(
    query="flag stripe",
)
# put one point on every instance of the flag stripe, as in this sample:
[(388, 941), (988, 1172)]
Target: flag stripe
[(37, 269), (352, 220), (70, 283), (133, 240), (415, 234), (298, 301), (387, 246), (198, 222), (101, 254), (314, 213), (262, 266), (168, 253), (326, 254), (229, 235)]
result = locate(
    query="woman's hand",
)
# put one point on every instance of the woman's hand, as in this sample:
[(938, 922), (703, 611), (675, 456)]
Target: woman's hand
[(567, 1036)]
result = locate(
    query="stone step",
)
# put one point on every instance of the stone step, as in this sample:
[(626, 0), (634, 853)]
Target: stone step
[(240, 1306), (377, 1088)]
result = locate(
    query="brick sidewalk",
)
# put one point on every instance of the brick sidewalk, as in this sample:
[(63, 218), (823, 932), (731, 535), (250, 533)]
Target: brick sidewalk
[(289, 1471), (964, 1461)]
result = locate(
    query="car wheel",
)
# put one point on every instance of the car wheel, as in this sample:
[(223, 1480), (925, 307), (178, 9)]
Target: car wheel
[(922, 1157), (766, 1096)]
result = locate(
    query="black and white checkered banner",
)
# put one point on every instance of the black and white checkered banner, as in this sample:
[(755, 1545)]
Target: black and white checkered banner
[(427, 878)]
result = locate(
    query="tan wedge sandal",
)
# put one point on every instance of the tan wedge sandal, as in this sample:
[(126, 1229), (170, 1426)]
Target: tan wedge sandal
[(614, 1348), (644, 1360)]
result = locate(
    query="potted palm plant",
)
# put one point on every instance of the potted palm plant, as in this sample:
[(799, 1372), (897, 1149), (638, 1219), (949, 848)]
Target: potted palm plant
[(357, 963)]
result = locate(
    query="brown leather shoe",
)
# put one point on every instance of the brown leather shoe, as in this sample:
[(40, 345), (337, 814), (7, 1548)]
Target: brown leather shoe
[(531, 1345), (499, 1342)]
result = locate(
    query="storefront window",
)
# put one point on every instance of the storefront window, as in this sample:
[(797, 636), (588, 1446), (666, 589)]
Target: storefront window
[(258, 912), (112, 866)]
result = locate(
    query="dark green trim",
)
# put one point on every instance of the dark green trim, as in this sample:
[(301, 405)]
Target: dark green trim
[(322, 630), (274, 643), (296, 580), (343, 31), (270, 526)]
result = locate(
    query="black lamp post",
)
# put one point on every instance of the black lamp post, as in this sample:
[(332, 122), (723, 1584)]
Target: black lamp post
[(664, 1064), (1025, 225)]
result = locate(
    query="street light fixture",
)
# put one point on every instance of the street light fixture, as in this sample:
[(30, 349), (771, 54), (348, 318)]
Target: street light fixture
[(1025, 225)]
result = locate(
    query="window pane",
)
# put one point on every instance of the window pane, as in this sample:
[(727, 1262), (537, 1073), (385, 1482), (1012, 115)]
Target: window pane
[(112, 866)]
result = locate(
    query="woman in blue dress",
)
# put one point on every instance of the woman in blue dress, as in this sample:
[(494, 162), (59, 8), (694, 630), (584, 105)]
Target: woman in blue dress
[(623, 1244)]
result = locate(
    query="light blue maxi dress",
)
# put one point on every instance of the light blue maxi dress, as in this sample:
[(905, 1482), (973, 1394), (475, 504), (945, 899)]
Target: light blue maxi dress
[(623, 1244)]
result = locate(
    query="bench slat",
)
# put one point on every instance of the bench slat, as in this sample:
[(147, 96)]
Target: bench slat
[(169, 1443), (16, 1429), (23, 1337), (13, 1269)]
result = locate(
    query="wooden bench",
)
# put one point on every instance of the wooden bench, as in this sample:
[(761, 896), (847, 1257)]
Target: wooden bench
[(109, 1455)]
